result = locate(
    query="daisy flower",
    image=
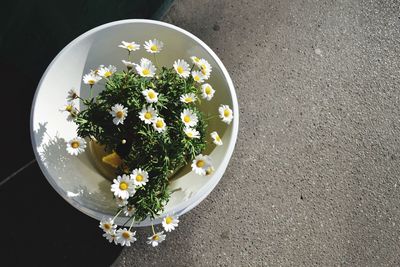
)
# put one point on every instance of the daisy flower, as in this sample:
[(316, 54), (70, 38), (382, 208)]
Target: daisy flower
[(128, 64), (159, 125), (150, 95), (191, 133), (182, 68), (130, 46), (91, 78), (123, 187), (195, 60), (189, 118), (107, 224), (188, 98), (205, 68), (198, 76), (76, 146), (225, 113), (201, 164), (121, 202), (170, 223), (71, 109), (140, 177), (119, 112), (72, 95), (129, 210), (210, 170), (156, 239), (153, 46), (207, 92), (111, 236), (145, 68), (148, 115), (106, 72), (216, 139), (125, 237)]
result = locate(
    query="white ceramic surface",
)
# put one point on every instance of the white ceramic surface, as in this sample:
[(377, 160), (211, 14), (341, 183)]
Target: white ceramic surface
[(75, 178)]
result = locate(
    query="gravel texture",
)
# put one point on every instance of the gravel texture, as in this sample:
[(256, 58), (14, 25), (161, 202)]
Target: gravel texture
[(314, 179)]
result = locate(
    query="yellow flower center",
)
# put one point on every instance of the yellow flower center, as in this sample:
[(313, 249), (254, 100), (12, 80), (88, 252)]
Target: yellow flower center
[(139, 178), (129, 46), (179, 70), (168, 220), (196, 78), (146, 71), (196, 59), (217, 138), (119, 114), (155, 237), (148, 115), (69, 108), (154, 48), (188, 99), (208, 90), (75, 144), (200, 163), (107, 226), (186, 118), (107, 74), (91, 82), (190, 134), (227, 113), (126, 235), (159, 124), (123, 186), (204, 71), (151, 95), (204, 67)]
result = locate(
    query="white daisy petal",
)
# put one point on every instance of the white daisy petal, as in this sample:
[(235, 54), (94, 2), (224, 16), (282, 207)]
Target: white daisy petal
[(106, 72), (119, 113), (156, 239), (148, 115), (205, 68), (216, 139), (145, 68), (188, 98), (207, 92), (129, 210), (91, 78), (198, 76), (107, 224), (225, 113), (140, 177), (170, 223), (125, 237), (123, 187), (191, 133), (159, 125), (76, 146), (150, 95), (111, 236), (182, 68), (195, 60), (201, 164), (130, 46), (153, 46), (189, 118)]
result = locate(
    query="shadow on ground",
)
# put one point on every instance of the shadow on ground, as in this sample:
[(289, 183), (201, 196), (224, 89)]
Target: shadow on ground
[(40, 228)]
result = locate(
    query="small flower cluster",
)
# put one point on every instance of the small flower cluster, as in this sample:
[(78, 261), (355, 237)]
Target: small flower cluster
[(150, 109)]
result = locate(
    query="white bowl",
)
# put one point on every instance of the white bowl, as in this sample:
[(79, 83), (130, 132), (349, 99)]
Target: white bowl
[(77, 179)]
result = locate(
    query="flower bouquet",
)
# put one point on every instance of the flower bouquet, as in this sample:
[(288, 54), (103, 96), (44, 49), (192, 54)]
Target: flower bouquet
[(147, 121)]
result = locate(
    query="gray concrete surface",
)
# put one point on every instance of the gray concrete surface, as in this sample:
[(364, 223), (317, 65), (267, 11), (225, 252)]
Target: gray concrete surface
[(314, 179)]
